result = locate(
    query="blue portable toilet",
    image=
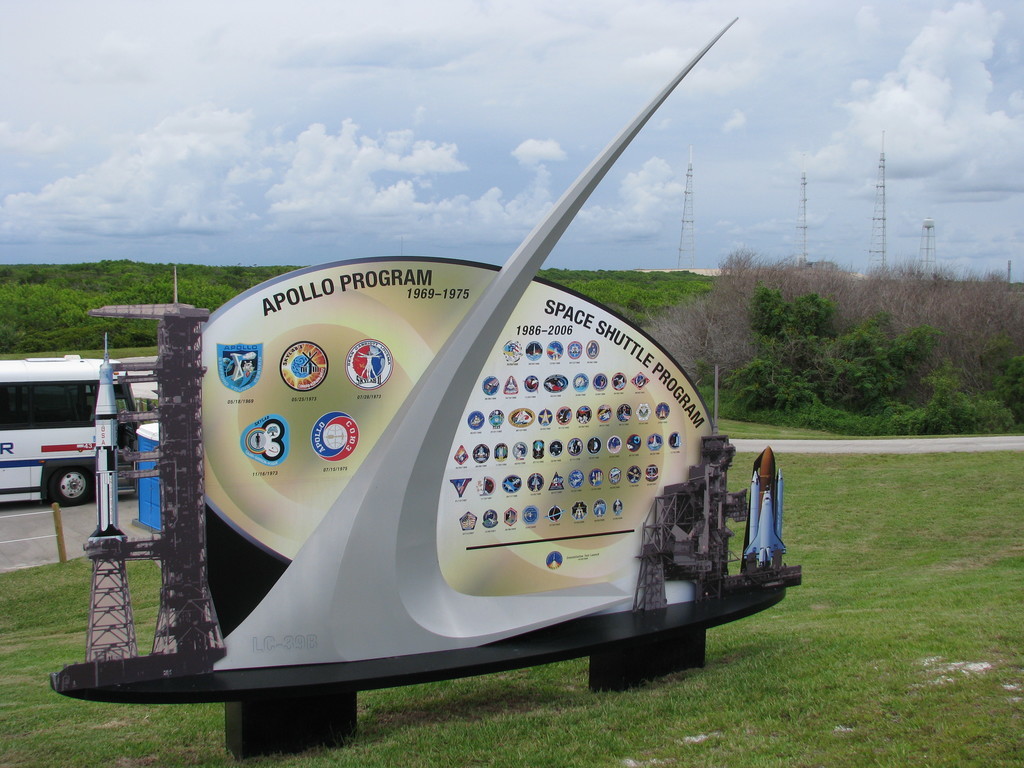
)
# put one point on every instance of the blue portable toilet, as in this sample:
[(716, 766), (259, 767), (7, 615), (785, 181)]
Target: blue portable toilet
[(149, 487)]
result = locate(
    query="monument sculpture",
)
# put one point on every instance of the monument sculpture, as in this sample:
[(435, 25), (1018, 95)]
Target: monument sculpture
[(417, 469)]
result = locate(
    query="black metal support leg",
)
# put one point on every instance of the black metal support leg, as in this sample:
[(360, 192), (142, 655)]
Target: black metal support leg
[(264, 727), (627, 668)]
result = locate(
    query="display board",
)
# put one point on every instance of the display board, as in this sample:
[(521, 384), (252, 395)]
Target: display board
[(577, 421)]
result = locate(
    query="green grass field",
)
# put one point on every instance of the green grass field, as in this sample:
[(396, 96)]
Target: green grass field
[(903, 647)]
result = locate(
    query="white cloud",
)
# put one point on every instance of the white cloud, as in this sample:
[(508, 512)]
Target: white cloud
[(934, 110), (175, 178), (646, 198), (35, 140), (328, 176), (535, 151)]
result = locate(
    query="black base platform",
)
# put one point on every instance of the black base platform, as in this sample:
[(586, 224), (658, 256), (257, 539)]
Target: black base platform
[(288, 709)]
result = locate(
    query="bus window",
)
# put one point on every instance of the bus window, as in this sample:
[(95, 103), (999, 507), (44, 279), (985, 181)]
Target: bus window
[(14, 405)]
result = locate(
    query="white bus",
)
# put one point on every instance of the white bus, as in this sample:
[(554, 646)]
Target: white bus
[(48, 429)]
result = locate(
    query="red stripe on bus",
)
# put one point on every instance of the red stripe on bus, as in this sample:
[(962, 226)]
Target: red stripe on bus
[(80, 447)]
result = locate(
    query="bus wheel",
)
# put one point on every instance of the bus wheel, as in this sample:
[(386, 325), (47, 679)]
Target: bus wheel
[(71, 486)]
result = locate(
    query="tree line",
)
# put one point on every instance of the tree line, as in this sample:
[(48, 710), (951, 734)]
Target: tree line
[(45, 308), (893, 352), (896, 351)]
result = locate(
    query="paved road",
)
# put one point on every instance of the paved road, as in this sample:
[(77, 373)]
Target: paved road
[(27, 532), (889, 445)]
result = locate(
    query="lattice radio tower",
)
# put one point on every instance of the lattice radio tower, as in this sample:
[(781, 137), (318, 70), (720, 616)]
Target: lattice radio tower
[(687, 250), (801, 221), (876, 253)]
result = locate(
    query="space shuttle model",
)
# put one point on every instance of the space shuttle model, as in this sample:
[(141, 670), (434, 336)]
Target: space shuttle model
[(763, 546)]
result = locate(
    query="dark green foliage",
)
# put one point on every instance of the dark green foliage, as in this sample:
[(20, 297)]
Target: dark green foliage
[(801, 361), (45, 307), (1010, 387)]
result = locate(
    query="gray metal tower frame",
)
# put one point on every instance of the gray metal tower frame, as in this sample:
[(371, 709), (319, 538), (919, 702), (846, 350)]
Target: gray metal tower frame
[(801, 221), (877, 251), (188, 638), (687, 243)]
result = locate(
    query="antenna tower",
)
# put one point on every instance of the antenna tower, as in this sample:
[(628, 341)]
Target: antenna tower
[(876, 253), (801, 223), (686, 240), (928, 265)]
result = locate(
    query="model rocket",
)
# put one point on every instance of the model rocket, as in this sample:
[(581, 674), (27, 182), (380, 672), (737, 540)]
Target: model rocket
[(106, 452), (763, 545)]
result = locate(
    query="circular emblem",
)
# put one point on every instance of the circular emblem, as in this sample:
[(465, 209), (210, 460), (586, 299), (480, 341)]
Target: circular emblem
[(555, 350), (593, 350), (596, 477), (519, 451), (554, 515), (574, 350), (303, 366), (651, 473), (530, 515), (512, 484), (556, 383), (633, 443), (535, 482), (633, 474), (619, 381), (266, 440), (564, 415), (531, 384), (600, 508), (600, 382), (497, 418), (675, 440), (335, 435), (576, 478), (369, 364), (575, 446), (500, 452), (512, 351), (544, 418), (614, 444), (485, 487), (490, 385), (475, 420), (584, 414), (617, 507), (661, 411), (534, 351), (555, 448), (614, 475), (481, 453), (580, 382), (604, 413), (624, 412), (654, 442), (594, 446), (554, 559), (490, 518)]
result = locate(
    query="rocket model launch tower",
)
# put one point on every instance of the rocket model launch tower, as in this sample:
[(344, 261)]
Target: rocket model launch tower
[(188, 637)]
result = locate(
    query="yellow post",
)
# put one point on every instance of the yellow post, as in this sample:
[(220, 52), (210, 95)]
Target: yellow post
[(58, 527)]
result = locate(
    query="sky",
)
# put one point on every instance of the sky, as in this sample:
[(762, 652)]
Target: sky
[(302, 132)]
